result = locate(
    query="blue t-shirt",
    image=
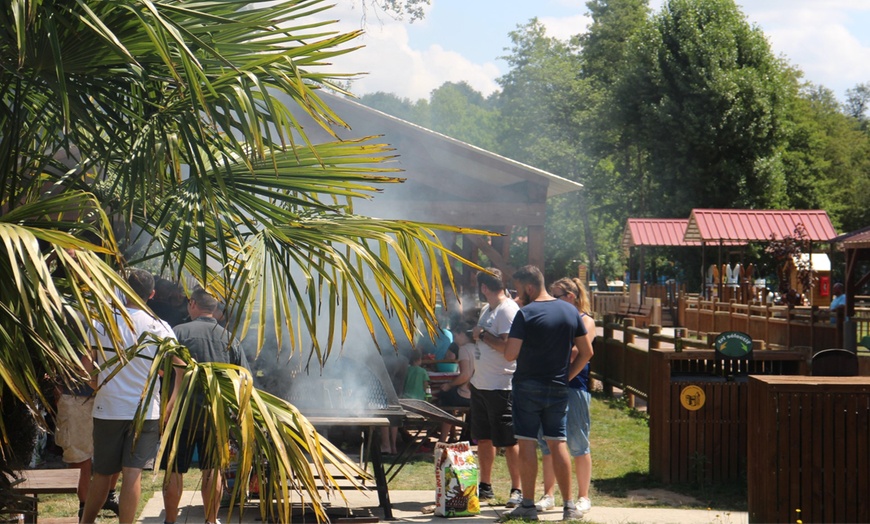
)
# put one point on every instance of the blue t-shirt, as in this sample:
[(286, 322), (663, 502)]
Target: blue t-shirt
[(548, 330)]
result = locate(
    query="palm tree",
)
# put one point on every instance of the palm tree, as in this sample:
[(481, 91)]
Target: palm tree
[(149, 132)]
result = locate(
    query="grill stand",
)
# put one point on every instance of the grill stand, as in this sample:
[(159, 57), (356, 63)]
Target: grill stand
[(374, 451)]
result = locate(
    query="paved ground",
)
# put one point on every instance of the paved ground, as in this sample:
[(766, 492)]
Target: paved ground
[(407, 506)]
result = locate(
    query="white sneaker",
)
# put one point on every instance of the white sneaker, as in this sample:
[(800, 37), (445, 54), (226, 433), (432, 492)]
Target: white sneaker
[(545, 503), (584, 504)]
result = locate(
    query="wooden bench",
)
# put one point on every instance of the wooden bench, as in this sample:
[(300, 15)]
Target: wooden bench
[(641, 313), (36, 482)]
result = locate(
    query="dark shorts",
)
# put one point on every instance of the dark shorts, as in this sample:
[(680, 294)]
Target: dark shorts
[(451, 397), (491, 416), (540, 409), (189, 440), (114, 449)]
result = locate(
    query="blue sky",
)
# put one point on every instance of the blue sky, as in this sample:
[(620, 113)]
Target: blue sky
[(462, 40)]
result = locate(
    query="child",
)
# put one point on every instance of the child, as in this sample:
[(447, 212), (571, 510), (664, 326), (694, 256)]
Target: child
[(417, 380)]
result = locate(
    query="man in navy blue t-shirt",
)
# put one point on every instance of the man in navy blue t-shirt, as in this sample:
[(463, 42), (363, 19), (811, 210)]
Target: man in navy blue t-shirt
[(541, 339)]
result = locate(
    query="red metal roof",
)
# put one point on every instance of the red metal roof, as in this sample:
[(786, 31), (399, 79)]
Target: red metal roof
[(655, 232), (751, 225)]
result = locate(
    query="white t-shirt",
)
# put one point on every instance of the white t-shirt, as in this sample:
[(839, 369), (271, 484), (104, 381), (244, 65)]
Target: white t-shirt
[(118, 398), (491, 369)]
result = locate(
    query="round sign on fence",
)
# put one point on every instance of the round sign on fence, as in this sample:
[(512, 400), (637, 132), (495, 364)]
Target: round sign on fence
[(692, 398)]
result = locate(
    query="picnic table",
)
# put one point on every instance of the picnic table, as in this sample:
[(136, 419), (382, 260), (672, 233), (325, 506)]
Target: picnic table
[(37, 482)]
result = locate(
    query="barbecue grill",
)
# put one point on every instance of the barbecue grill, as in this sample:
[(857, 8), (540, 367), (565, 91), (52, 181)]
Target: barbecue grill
[(350, 390)]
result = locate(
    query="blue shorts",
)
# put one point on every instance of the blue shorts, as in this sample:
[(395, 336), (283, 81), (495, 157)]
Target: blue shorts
[(540, 409), (579, 422)]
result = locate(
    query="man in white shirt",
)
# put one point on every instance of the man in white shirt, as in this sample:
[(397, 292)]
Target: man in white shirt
[(491, 422), (116, 403)]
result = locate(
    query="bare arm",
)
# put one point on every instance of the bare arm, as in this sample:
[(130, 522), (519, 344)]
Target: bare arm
[(464, 376), (512, 349), (496, 342), (584, 354)]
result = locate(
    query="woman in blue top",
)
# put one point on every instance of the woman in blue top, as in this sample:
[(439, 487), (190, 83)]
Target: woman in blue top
[(572, 290)]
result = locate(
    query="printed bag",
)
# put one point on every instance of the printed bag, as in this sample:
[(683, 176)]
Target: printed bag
[(456, 477)]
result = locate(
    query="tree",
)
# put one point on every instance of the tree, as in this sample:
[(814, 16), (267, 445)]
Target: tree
[(857, 103), (704, 98), (136, 132), (459, 111)]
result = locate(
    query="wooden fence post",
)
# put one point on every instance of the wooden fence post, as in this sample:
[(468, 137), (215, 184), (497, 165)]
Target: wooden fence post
[(654, 332), (608, 335), (627, 338)]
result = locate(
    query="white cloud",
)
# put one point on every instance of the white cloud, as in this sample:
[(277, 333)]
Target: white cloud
[(394, 66), (565, 27)]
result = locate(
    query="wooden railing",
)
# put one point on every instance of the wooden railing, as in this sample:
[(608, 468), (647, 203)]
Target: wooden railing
[(779, 326)]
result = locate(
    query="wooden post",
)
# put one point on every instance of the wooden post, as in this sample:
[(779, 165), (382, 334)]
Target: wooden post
[(654, 332), (608, 335), (627, 338)]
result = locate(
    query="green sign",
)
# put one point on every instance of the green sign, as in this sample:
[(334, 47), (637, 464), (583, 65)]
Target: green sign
[(733, 344)]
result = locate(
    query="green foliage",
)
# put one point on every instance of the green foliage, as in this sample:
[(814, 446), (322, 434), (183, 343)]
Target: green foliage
[(139, 132), (703, 97)]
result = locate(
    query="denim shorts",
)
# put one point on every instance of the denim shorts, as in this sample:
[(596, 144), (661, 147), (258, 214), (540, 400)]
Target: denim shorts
[(540, 408), (579, 422)]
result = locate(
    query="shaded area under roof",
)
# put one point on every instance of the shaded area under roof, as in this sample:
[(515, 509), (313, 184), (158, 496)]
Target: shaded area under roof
[(756, 225)]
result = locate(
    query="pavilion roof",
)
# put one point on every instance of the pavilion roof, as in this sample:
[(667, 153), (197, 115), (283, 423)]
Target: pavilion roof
[(756, 225), (854, 239)]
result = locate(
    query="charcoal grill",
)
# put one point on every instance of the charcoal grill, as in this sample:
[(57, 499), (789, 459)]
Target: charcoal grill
[(350, 390)]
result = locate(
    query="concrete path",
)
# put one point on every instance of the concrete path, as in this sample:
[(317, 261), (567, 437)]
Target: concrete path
[(408, 505)]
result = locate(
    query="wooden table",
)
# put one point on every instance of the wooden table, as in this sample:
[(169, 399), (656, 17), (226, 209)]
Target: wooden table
[(41, 481)]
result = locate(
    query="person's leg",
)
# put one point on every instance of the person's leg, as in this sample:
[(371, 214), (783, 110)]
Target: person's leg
[(486, 457), (211, 493), (528, 455), (561, 466), (512, 457), (97, 492), (583, 470), (84, 468), (108, 442), (549, 475), (172, 490), (131, 488), (394, 437), (385, 440), (138, 454)]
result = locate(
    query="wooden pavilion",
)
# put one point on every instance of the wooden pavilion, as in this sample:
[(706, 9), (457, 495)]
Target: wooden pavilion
[(448, 181)]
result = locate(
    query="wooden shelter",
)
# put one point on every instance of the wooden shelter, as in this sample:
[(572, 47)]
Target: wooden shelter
[(723, 226), (448, 181), (856, 245)]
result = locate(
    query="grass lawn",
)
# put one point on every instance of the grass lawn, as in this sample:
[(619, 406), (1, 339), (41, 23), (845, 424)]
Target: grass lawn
[(620, 464)]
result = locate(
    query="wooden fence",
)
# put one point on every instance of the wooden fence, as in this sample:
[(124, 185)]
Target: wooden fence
[(779, 326), (809, 449)]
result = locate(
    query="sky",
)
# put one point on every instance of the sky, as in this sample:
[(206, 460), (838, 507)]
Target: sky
[(463, 40)]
